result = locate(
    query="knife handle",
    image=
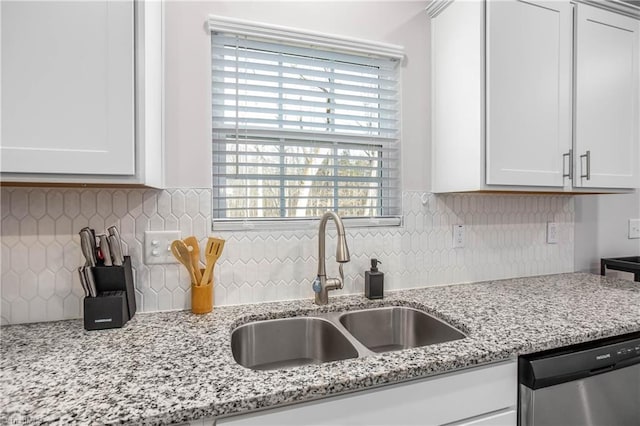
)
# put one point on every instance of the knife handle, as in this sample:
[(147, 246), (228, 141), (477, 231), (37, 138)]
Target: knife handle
[(92, 241), (83, 282), (113, 231), (116, 252), (91, 281), (106, 251), (87, 247)]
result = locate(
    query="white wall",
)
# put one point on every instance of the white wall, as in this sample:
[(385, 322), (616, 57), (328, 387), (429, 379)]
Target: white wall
[(601, 221), (38, 230), (601, 228), (188, 72), (505, 233)]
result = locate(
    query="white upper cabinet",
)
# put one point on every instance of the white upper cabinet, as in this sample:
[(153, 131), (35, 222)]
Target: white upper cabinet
[(607, 96), (528, 94), (67, 87), (503, 97), (72, 76)]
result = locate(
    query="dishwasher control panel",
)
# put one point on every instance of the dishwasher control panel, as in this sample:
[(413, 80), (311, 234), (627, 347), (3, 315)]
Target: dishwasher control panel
[(632, 350), (582, 360)]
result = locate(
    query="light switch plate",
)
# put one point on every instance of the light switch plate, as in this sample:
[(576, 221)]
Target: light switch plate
[(458, 236), (552, 233), (157, 247), (634, 228)]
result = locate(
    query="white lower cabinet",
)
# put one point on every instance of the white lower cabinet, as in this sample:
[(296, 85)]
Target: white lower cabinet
[(506, 417), (484, 395)]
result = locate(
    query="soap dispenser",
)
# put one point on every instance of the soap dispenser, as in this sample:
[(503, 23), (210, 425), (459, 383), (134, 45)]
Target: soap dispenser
[(374, 281)]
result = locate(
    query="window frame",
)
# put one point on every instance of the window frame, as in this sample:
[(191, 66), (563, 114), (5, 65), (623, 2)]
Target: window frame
[(304, 38)]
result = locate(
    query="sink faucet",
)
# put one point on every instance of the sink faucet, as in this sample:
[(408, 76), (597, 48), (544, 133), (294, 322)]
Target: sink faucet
[(322, 284)]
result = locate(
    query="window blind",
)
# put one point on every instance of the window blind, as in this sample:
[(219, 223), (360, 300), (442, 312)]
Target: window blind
[(299, 130)]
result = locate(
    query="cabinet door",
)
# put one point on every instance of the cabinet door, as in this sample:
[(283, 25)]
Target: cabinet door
[(507, 417), (607, 93), (528, 92), (432, 401), (68, 87)]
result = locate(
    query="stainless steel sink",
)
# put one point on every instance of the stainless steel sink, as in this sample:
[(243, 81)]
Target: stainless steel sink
[(289, 342), (332, 336), (395, 328)]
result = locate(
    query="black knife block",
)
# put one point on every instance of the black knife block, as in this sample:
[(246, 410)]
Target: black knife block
[(107, 310), (114, 278), (114, 285)]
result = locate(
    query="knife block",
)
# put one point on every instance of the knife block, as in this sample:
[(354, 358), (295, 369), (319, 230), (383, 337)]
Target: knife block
[(202, 297), (117, 278), (107, 310)]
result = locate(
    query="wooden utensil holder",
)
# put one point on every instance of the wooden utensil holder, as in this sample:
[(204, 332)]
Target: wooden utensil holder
[(202, 297)]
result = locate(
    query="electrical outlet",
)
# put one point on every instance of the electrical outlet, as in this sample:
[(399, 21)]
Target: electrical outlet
[(157, 247), (458, 236), (552, 233), (634, 228)]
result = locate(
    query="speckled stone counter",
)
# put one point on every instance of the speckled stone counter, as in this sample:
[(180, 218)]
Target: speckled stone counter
[(175, 366)]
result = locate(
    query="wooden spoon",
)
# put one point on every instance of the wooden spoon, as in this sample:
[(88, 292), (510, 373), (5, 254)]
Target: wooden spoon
[(212, 253), (194, 248), (181, 252)]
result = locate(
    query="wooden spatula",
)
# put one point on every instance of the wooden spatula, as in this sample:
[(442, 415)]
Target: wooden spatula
[(212, 253), (181, 252), (194, 249)]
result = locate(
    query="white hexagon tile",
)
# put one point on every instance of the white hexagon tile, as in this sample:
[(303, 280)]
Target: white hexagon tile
[(505, 236)]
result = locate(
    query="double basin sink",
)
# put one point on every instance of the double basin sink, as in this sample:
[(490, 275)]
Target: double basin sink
[(333, 336)]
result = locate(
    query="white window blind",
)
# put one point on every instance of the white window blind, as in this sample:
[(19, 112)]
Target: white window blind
[(299, 130)]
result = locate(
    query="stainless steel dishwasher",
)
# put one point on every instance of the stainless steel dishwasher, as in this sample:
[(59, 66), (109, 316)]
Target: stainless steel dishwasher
[(595, 383)]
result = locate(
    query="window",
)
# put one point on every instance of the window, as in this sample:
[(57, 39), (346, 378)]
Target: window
[(301, 129)]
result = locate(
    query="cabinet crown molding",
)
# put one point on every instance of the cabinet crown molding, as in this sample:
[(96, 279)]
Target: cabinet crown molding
[(437, 6), (617, 6), (622, 7)]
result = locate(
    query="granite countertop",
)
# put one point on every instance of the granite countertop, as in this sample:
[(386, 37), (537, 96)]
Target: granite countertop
[(175, 366)]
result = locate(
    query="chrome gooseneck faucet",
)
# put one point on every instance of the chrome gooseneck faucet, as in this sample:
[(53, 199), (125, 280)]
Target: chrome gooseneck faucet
[(322, 284)]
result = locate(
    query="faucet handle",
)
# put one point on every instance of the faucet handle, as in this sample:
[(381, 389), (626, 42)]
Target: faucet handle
[(317, 285)]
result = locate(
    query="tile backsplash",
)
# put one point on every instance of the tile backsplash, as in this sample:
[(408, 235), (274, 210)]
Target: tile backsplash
[(505, 237)]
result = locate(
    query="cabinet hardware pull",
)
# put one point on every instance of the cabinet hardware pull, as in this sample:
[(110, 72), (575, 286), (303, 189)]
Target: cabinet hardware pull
[(570, 174), (588, 157)]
